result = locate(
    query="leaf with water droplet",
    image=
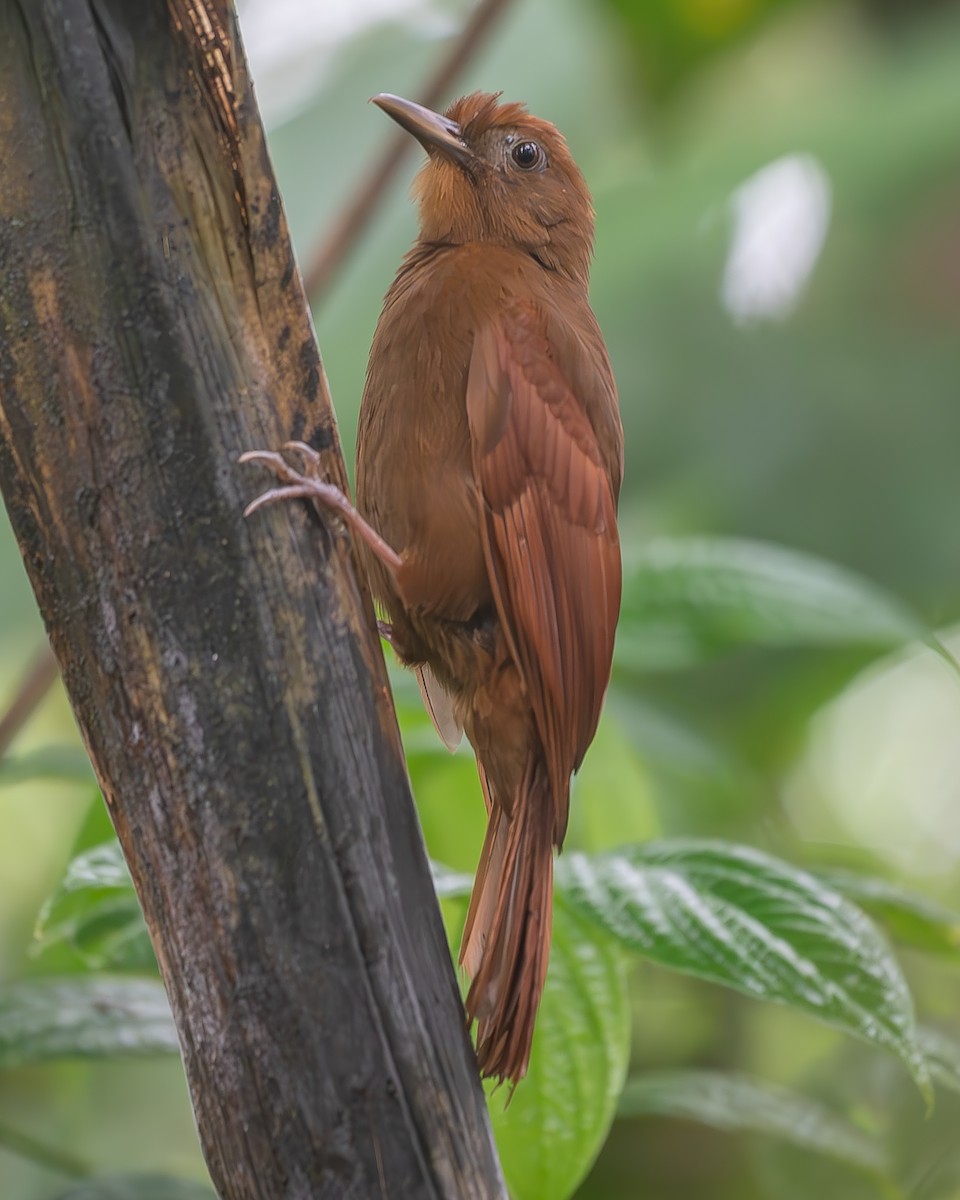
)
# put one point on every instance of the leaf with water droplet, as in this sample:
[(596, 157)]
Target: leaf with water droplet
[(912, 919), (94, 915), (736, 916), (84, 1016)]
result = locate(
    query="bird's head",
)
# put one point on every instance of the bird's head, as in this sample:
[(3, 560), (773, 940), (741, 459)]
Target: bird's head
[(496, 174)]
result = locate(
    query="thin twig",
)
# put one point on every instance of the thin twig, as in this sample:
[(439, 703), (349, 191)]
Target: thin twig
[(328, 258), (39, 679)]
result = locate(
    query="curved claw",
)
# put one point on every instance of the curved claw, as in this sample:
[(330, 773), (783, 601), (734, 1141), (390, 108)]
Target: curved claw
[(283, 470), (296, 486), (264, 456), (308, 452), (292, 491), (279, 465), (275, 461)]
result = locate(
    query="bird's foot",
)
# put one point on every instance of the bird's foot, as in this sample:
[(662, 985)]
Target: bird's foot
[(307, 485), (296, 484)]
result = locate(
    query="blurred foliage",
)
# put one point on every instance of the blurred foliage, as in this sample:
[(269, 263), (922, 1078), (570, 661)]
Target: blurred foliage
[(138, 1187), (673, 39), (761, 455), (737, 1104)]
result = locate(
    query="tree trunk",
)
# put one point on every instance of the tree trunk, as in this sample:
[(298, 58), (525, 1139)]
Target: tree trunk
[(225, 674)]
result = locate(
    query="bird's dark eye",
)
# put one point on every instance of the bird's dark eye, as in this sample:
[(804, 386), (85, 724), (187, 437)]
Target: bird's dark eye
[(527, 155)]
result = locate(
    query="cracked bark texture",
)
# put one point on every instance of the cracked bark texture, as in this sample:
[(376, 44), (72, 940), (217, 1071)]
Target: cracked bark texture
[(225, 674)]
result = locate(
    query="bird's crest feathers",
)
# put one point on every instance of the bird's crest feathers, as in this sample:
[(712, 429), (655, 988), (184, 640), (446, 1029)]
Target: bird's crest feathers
[(480, 112)]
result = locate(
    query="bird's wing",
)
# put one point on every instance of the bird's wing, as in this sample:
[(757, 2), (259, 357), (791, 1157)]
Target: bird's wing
[(548, 521)]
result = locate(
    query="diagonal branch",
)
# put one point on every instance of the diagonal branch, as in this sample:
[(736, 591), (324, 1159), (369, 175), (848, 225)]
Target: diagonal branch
[(40, 677)]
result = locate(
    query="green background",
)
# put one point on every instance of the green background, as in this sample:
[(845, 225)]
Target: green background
[(835, 431)]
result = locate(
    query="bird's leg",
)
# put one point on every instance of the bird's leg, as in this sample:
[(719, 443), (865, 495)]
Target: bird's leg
[(297, 485)]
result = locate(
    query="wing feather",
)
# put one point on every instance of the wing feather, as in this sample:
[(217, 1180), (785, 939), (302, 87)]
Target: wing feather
[(548, 522), (439, 706)]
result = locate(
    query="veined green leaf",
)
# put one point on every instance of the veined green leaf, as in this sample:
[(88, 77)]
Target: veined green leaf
[(943, 1054), (560, 1113), (738, 1104), (687, 599), (738, 917), (95, 912), (913, 920), (83, 1016)]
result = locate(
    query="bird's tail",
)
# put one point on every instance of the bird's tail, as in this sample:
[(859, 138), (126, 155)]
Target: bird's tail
[(506, 939)]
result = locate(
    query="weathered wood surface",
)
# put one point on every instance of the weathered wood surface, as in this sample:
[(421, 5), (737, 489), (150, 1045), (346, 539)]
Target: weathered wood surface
[(224, 673)]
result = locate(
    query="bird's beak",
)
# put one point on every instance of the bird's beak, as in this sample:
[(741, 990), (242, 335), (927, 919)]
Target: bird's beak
[(434, 132)]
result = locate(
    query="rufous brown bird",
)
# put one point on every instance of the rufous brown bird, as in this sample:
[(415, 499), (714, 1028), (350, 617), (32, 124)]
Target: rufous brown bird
[(489, 460)]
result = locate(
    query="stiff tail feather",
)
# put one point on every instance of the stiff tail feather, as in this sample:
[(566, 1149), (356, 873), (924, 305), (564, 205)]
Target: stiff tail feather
[(506, 939)]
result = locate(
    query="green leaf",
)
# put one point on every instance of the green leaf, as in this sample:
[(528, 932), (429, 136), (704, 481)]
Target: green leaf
[(699, 779), (95, 912), (688, 599), (96, 829), (50, 1158), (138, 1187), (735, 916), (83, 1016), (913, 920), (737, 1104), (450, 806), (663, 740), (68, 763), (612, 799), (672, 42), (943, 1054), (552, 1130)]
